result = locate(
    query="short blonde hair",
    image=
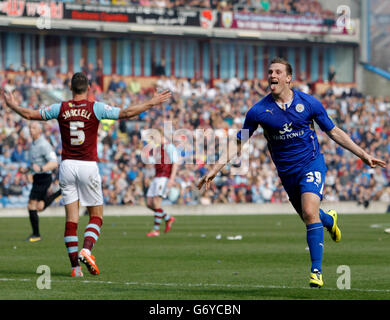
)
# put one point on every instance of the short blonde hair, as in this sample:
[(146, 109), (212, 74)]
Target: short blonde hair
[(280, 60)]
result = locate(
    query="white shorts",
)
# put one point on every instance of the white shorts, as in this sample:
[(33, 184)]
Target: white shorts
[(80, 180), (158, 187)]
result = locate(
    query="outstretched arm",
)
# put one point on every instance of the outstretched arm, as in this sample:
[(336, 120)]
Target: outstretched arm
[(26, 113), (234, 149), (137, 109), (171, 180), (340, 137)]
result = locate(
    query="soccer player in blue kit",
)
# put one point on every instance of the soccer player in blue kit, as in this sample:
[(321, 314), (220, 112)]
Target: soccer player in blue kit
[(287, 117)]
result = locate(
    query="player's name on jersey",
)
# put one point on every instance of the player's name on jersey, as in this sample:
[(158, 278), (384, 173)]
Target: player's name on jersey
[(76, 113)]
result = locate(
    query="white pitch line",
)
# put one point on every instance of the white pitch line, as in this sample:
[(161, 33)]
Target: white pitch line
[(255, 286)]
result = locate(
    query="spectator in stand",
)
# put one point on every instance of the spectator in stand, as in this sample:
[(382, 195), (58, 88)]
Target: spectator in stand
[(19, 154), (89, 70), (160, 68), (114, 85), (49, 69), (331, 75)]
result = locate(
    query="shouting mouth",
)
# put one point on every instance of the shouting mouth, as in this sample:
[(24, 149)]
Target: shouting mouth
[(273, 84)]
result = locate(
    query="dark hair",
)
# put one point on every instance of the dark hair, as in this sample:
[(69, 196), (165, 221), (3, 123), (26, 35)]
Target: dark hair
[(289, 68), (79, 83)]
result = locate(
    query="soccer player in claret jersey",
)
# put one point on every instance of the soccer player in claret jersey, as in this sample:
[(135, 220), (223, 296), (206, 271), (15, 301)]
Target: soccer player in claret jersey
[(287, 117), (166, 165), (79, 176)]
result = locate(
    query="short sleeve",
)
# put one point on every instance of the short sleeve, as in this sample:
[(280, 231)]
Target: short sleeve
[(321, 117), (249, 127), (50, 112), (51, 155), (172, 153), (105, 111)]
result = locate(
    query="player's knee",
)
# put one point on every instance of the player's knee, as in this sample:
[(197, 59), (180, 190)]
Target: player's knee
[(40, 206), (310, 216), (157, 202), (150, 205), (32, 206)]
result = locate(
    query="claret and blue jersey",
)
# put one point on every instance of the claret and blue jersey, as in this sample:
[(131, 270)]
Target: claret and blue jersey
[(101, 111), (290, 133), (79, 123)]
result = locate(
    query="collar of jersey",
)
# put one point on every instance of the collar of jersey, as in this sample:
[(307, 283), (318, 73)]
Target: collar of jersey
[(284, 105)]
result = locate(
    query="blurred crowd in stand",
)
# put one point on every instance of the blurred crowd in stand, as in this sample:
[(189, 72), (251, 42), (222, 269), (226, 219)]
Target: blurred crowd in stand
[(195, 105)]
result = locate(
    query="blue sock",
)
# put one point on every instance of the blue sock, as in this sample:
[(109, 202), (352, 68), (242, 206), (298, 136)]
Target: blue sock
[(326, 219), (315, 240)]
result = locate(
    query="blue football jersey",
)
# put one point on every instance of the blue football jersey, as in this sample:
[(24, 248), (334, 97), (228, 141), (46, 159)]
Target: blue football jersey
[(292, 140)]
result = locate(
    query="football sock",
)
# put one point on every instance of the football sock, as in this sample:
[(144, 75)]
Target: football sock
[(326, 219), (49, 199), (158, 215), (166, 216), (34, 220), (315, 240), (72, 242), (92, 232)]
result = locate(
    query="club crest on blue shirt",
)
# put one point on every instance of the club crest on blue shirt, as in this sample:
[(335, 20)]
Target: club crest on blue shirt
[(299, 108)]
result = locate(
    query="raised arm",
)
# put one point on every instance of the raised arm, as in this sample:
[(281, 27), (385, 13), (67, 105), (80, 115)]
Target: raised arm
[(137, 109), (26, 113), (234, 147), (172, 177), (340, 137)]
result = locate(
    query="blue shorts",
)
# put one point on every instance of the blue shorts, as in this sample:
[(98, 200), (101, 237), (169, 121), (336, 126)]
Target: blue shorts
[(310, 179)]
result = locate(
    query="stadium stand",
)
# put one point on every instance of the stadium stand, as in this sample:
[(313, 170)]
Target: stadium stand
[(201, 100), (196, 105)]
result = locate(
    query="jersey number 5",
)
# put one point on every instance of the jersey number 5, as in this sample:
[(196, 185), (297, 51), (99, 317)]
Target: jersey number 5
[(79, 135)]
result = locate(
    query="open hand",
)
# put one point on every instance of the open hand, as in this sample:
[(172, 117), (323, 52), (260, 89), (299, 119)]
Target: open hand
[(160, 97), (8, 97), (373, 162), (206, 180)]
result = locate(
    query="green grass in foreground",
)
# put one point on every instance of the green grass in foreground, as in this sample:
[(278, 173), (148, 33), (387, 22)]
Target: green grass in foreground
[(270, 262)]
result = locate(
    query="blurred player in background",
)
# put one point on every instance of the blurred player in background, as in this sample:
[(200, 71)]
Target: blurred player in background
[(43, 160), (287, 117), (166, 165), (79, 176)]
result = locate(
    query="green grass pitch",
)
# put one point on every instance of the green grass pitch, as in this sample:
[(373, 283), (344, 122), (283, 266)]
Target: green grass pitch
[(271, 261)]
